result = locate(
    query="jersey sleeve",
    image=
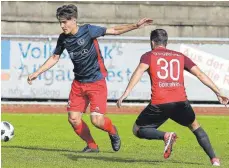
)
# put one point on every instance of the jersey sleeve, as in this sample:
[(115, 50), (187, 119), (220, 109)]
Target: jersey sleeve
[(59, 46), (96, 31), (145, 59), (188, 63)]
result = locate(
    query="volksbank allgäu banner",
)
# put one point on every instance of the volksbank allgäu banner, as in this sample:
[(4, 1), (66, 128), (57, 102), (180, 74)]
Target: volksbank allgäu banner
[(20, 58)]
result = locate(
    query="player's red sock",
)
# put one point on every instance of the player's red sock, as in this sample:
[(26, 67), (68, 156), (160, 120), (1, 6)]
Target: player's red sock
[(83, 131), (108, 127)]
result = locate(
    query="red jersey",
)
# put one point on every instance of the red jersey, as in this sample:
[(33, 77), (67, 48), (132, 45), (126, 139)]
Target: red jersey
[(166, 69)]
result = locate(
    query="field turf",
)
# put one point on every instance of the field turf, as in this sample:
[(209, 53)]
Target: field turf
[(48, 141)]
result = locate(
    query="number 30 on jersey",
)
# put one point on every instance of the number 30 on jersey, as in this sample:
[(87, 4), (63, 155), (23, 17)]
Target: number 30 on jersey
[(168, 69)]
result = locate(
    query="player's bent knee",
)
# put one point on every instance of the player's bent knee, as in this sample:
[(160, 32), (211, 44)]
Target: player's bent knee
[(195, 125), (95, 122), (74, 118), (135, 129), (97, 119), (140, 133), (74, 122)]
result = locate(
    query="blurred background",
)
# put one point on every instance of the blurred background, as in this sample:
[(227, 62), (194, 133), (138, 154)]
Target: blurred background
[(30, 30), (180, 19)]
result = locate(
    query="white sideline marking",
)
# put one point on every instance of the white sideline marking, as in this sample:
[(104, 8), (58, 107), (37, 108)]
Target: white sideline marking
[(109, 104)]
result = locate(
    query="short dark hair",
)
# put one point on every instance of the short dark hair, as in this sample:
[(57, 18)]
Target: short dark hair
[(67, 12), (159, 36)]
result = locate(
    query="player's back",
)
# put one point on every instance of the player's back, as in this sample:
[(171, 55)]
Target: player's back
[(166, 73)]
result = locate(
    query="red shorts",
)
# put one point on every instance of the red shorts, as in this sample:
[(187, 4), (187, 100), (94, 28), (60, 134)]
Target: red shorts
[(84, 93)]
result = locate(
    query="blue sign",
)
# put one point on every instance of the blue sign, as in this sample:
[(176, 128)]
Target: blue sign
[(5, 53)]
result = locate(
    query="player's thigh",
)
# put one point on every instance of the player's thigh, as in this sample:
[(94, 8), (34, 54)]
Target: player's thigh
[(151, 116), (77, 101), (183, 114), (97, 94)]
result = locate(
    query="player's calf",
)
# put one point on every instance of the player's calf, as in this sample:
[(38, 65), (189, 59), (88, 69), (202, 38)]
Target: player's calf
[(105, 124), (204, 142)]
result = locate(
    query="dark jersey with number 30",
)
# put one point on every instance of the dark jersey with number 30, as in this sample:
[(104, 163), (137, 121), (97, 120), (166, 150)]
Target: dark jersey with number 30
[(166, 69)]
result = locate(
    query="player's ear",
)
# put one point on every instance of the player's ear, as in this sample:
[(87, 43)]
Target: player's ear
[(74, 20), (152, 44)]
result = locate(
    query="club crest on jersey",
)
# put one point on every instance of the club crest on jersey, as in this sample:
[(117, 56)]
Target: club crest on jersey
[(81, 41)]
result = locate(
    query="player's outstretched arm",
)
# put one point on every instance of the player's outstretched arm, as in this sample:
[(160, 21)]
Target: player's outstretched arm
[(195, 70), (133, 81), (117, 30), (47, 65)]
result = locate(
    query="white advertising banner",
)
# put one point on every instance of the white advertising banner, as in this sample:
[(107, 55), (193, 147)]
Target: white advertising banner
[(20, 58)]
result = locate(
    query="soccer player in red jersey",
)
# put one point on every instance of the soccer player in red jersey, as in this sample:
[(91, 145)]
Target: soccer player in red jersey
[(89, 85), (168, 99)]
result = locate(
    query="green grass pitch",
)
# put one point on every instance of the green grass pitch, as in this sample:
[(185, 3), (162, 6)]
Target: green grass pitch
[(48, 141)]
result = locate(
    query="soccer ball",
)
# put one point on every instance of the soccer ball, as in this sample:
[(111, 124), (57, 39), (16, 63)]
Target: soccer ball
[(7, 131)]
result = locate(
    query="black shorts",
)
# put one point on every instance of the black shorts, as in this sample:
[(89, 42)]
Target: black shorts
[(155, 115)]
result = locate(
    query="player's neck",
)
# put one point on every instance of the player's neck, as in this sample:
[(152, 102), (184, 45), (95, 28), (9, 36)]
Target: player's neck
[(75, 30), (159, 46)]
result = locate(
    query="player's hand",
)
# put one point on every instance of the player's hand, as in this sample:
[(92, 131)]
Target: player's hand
[(119, 102), (32, 77), (223, 99), (144, 22)]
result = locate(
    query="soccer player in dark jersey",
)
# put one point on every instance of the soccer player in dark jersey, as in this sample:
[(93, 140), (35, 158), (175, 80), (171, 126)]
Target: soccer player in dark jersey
[(168, 99), (89, 85)]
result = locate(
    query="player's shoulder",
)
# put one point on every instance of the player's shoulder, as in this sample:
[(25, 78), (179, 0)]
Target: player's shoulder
[(146, 56), (148, 53), (85, 25)]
